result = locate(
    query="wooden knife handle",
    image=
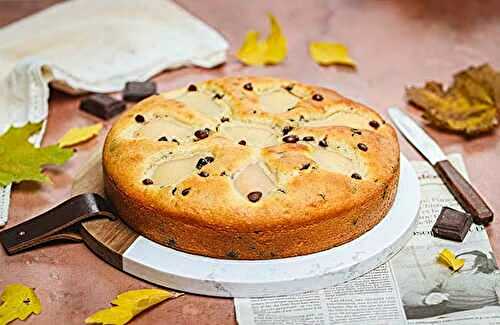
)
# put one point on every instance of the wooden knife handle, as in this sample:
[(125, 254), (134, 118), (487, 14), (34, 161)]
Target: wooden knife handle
[(464, 193), (61, 222)]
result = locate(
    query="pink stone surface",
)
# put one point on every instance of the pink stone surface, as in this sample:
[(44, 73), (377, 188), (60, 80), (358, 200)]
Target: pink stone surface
[(395, 43)]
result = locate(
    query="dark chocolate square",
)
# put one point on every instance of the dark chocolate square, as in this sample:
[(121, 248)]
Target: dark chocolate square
[(135, 91), (102, 106), (452, 224)]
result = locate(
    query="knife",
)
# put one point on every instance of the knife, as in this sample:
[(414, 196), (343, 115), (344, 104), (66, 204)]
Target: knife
[(462, 190)]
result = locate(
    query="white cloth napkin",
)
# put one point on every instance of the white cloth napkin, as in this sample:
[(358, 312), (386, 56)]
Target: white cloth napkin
[(94, 45)]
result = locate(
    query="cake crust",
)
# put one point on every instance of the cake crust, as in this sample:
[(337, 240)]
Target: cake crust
[(181, 167)]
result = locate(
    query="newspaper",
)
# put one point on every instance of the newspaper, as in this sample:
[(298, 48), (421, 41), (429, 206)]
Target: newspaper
[(412, 288)]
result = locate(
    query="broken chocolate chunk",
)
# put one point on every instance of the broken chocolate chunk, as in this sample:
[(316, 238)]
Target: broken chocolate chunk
[(362, 147), (374, 124), (254, 196), (452, 224), (317, 97), (102, 106), (202, 134), (163, 138), (135, 91), (224, 119), (147, 181), (218, 96), (248, 86), (308, 138), (291, 139)]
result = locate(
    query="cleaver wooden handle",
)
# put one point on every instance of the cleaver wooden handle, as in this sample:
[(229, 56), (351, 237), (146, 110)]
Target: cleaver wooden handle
[(464, 193), (61, 222)]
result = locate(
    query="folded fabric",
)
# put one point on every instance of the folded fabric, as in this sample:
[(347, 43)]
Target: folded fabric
[(94, 45)]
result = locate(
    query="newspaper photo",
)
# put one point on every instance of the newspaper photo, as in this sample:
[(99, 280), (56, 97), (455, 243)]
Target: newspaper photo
[(412, 288)]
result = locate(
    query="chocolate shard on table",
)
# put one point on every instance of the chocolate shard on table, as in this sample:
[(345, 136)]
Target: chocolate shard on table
[(452, 224), (135, 91), (102, 106)]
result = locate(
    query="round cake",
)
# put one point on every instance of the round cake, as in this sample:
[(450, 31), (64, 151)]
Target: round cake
[(251, 168)]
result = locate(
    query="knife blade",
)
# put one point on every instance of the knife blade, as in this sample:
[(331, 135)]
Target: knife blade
[(462, 190)]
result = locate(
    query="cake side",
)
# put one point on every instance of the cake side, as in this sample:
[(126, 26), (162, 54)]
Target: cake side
[(326, 170)]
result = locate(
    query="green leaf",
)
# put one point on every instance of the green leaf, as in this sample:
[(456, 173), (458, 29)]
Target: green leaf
[(20, 160)]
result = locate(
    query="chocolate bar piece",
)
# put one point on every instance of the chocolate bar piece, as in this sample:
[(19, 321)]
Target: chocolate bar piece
[(452, 224), (102, 106), (135, 91)]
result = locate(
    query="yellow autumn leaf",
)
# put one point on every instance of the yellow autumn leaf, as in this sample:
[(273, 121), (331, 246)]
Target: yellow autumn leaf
[(19, 301), (272, 50), (79, 135), (326, 53), (449, 259), (128, 305)]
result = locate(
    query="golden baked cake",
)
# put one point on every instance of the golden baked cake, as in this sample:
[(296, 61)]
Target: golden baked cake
[(251, 168)]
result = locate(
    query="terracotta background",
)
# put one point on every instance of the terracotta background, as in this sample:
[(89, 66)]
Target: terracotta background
[(396, 43)]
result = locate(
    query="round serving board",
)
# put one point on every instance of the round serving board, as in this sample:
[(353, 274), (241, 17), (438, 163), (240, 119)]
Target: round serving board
[(120, 246)]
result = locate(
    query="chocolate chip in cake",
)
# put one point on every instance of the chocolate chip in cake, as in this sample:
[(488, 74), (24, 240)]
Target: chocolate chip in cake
[(317, 97), (174, 190), (308, 138), (248, 86), (232, 254), (186, 191), (305, 166), (209, 159), (202, 133), (218, 96), (102, 106), (356, 131), (192, 88), (224, 119), (242, 142), (203, 174), (254, 196), (323, 143), (287, 129), (374, 124), (291, 138), (223, 173), (356, 176), (175, 140), (163, 138), (139, 118), (201, 162), (147, 181), (135, 91), (171, 243), (289, 88), (362, 147)]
